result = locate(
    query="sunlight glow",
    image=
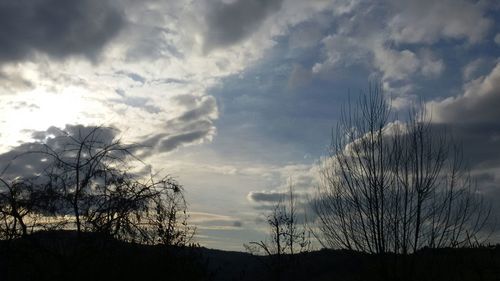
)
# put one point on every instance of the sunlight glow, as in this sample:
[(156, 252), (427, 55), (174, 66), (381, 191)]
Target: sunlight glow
[(38, 110)]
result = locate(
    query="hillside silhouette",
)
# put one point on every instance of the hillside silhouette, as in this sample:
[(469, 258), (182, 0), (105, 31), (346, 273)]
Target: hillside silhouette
[(63, 255)]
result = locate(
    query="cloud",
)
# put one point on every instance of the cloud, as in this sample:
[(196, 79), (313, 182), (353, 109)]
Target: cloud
[(341, 50), (12, 80), (172, 142), (268, 200), (478, 104), (166, 142), (193, 126), (398, 65), (473, 118), (373, 50), (471, 70), (29, 160), (266, 196), (395, 64), (210, 221), (206, 107), (133, 76), (430, 65), (229, 23), (58, 28), (429, 21), (302, 178), (390, 39), (151, 43)]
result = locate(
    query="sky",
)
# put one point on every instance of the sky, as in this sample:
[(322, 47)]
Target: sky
[(237, 98)]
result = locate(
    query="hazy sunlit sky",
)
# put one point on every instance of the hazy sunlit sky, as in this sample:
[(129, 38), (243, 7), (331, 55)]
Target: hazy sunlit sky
[(238, 97)]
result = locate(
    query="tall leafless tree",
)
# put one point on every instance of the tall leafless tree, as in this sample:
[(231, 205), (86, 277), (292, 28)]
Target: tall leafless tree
[(395, 186)]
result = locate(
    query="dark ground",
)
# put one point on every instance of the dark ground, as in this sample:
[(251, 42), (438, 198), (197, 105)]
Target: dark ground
[(63, 256)]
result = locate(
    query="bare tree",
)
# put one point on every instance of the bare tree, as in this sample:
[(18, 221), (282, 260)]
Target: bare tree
[(85, 162), (89, 185), (287, 235), (395, 186)]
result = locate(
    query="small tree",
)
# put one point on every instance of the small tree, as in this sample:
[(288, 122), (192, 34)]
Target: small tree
[(287, 236), (168, 218), (16, 203)]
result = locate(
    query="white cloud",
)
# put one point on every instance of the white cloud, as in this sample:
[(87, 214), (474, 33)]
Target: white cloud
[(340, 51), (431, 66), (428, 21), (394, 64), (393, 47), (362, 39), (479, 102), (471, 70)]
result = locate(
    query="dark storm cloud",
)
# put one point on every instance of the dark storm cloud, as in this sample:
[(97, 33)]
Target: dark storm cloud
[(28, 159), (229, 23), (473, 118), (481, 143), (59, 28)]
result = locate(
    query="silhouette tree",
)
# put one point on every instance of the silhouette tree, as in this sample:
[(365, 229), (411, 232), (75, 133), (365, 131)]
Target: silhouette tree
[(15, 205), (87, 162), (89, 185), (168, 218), (287, 236), (394, 186)]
